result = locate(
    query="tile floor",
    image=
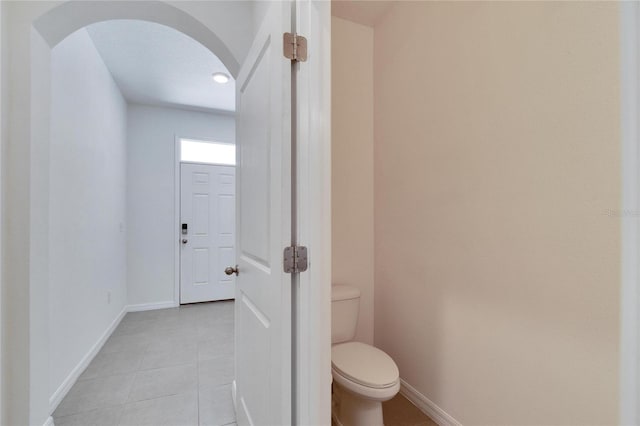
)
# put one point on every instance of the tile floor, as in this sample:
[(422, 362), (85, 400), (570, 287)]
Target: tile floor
[(173, 367), (400, 412), (165, 367)]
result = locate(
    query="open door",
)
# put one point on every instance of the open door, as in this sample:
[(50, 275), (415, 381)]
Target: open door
[(263, 216)]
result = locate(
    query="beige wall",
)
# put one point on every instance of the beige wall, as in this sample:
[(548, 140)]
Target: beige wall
[(352, 164), (496, 155)]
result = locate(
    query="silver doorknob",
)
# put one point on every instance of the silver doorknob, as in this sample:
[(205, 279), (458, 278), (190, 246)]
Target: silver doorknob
[(185, 241), (231, 270)]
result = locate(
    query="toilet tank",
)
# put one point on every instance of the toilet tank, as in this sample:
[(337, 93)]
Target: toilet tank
[(345, 301)]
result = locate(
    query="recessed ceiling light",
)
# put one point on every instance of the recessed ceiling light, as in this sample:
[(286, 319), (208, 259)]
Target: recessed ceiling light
[(220, 77)]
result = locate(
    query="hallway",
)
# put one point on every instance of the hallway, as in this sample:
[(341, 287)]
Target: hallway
[(162, 367)]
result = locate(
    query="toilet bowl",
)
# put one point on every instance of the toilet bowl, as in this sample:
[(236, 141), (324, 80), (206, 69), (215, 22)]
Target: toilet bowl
[(363, 376)]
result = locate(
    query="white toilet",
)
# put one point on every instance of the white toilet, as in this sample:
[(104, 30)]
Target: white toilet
[(363, 376)]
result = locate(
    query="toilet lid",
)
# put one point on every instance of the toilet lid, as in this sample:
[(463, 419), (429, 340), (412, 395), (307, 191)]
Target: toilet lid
[(364, 364)]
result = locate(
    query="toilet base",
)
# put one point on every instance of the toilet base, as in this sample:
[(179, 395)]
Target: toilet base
[(353, 410)]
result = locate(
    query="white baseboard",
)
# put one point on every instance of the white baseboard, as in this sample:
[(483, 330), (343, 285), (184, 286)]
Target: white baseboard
[(71, 379), (427, 406), (49, 422), (152, 306), (66, 385)]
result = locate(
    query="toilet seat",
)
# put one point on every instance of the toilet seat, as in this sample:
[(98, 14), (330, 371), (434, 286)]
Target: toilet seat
[(364, 365), (365, 370)]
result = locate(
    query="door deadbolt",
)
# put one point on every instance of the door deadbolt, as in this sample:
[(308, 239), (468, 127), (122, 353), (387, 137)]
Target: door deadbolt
[(231, 270)]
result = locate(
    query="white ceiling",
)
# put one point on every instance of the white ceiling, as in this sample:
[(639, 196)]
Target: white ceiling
[(361, 11), (155, 64)]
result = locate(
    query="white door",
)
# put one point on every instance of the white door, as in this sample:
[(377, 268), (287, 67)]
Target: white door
[(263, 292), (207, 218)]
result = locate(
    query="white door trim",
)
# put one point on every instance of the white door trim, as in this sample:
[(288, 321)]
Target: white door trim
[(629, 375), (176, 220), (312, 339), (3, 143)]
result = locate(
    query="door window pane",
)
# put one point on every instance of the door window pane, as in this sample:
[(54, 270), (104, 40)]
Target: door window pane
[(207, 152)]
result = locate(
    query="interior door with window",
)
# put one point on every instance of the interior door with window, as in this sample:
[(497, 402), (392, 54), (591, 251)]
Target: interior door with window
[(207, 226), (263, 290)]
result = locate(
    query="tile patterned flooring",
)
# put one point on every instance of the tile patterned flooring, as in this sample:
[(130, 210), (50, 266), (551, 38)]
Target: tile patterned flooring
[(173, 367), (165, 367)]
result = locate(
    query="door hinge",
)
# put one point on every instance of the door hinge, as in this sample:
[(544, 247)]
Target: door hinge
[(295, 259), (295, 47)]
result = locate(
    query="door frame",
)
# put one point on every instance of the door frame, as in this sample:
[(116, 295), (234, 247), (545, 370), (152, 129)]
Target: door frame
[(312, 297), (176, 206), (629, 215)]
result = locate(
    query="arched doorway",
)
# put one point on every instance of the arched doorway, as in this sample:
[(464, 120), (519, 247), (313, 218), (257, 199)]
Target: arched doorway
[(34, 30), (58, 23)]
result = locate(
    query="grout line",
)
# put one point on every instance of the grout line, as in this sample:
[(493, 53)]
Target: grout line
[(140, 337), (120, 415), (198, 380), (135, 376), (155, 397), (105, 407)]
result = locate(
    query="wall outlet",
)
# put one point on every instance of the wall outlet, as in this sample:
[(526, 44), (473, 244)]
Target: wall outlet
[(108, 297)]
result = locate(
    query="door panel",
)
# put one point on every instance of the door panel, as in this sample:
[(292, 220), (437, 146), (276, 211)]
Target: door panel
[(263, 293), (255, 191), (207, 206)]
